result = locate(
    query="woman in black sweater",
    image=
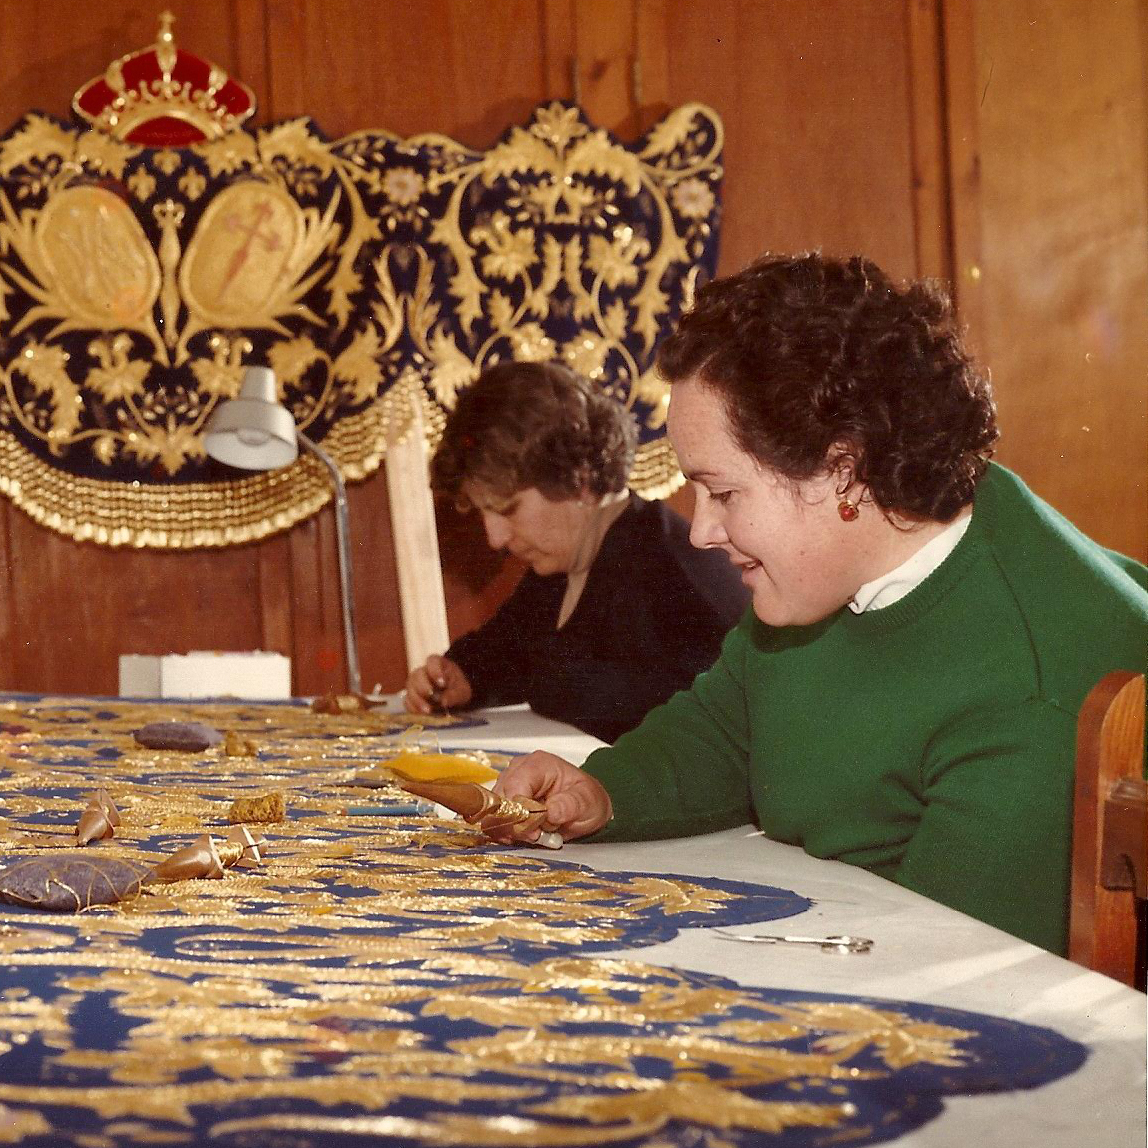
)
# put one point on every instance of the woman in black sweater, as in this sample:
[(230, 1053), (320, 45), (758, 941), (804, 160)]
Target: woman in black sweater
[(618, 611)]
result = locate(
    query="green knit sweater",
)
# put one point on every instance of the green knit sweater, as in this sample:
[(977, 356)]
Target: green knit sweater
[(931, 742)]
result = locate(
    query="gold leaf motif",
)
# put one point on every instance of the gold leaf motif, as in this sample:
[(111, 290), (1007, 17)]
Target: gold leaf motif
[(228, 154), (359, 366), (451, 369), (614, 320), (294, 142), (18, 1126), (557, 125), (167, 161), (117, 376), (45, 367), (572, 277), (510, 252), (104, 153), (465, 285), (597, 155), (105, 448), (531, 344), (538, 301), (217, 379), (39, 139), (612, 260), (291, 358), (388, 308), (170, 446), (650, 1108), (652, 389), (899, 1043), (586, 354), (522, 152), (671, 131), (501, 311)]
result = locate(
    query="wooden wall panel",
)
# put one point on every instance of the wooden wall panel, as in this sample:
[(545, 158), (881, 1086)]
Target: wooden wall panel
[(78, 606), (851, 127), (456, 67), (817, 105), (1061, 121)]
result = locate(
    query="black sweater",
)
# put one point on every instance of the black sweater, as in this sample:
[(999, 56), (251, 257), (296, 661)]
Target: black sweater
[(652, 616)]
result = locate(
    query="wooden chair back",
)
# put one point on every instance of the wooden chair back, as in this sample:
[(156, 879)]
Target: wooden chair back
[(1110, 831)]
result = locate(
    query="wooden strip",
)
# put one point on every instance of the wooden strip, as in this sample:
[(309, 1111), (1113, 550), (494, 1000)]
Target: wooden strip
[(559, 48), (285, 80), (276, 597), (933, 235), (249, 30), (421, 593), (964, 86), (8, 635), (605, 39), (652, 61), (317, 653)]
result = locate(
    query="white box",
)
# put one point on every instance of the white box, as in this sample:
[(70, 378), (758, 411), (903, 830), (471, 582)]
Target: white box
[(256, 675)]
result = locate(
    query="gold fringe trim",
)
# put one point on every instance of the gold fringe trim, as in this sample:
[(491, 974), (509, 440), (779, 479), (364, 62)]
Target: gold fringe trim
[(202, 515)]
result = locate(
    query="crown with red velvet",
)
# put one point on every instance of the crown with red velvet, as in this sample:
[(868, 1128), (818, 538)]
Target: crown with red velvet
[(163, 96)]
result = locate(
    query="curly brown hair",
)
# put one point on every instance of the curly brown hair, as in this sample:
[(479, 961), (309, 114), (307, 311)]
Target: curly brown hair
[(522, 425), (825, 363)]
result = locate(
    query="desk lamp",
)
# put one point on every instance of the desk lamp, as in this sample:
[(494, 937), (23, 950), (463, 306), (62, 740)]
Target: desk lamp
[(256, 432)]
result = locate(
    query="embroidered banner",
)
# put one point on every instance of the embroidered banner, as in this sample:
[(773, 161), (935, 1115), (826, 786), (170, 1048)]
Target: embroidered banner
[(399, 980), (371, 273)]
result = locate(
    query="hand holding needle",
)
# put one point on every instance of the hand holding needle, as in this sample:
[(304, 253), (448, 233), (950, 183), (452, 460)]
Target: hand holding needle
[(438, 686)]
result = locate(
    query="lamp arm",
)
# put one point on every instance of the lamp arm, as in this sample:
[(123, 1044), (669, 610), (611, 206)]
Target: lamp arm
[(342, 535)]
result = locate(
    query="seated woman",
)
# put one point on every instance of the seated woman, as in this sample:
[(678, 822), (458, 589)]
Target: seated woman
[(903, 695), (617, 611)]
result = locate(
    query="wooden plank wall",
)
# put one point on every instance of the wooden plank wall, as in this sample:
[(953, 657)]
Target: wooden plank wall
[(999, 146)]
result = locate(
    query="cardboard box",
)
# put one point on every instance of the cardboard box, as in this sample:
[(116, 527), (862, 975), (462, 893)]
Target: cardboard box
[(255, 675)]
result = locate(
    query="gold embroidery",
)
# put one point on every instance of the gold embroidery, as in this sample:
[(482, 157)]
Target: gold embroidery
[(562, 243), (370, 966)]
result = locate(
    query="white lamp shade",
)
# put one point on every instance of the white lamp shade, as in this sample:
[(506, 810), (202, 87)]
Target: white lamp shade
[(254, 431)]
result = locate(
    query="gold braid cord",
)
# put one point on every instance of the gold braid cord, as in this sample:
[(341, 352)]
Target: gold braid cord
[(374, 274)]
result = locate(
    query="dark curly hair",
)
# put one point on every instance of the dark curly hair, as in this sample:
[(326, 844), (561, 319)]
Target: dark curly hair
[(540, 425), (823, 363)]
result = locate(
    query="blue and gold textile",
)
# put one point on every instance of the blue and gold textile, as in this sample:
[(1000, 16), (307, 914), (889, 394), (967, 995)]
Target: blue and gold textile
[(374, 274), (401, 980)]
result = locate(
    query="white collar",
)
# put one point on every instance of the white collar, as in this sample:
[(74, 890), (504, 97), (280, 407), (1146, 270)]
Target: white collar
[(892, 587)]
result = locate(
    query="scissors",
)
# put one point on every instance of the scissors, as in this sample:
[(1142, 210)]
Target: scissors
[(834, 944)]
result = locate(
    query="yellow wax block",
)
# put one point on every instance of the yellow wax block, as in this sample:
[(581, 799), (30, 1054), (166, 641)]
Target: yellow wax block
[(440, 767)]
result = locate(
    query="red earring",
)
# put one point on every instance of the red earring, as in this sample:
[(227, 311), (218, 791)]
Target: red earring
[(847, 508)]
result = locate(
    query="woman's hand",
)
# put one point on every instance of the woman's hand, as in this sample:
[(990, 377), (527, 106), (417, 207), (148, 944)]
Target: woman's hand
[(576, 803), (438, 685)]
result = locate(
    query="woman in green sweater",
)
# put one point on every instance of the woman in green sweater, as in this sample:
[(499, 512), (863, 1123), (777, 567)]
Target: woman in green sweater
[(903, 694)]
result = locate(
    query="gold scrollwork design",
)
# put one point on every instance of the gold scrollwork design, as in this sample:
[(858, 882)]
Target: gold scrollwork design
[(371, 273)]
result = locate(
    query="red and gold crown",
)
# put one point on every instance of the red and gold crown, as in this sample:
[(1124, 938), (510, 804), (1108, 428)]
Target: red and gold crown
[(163, 96)]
